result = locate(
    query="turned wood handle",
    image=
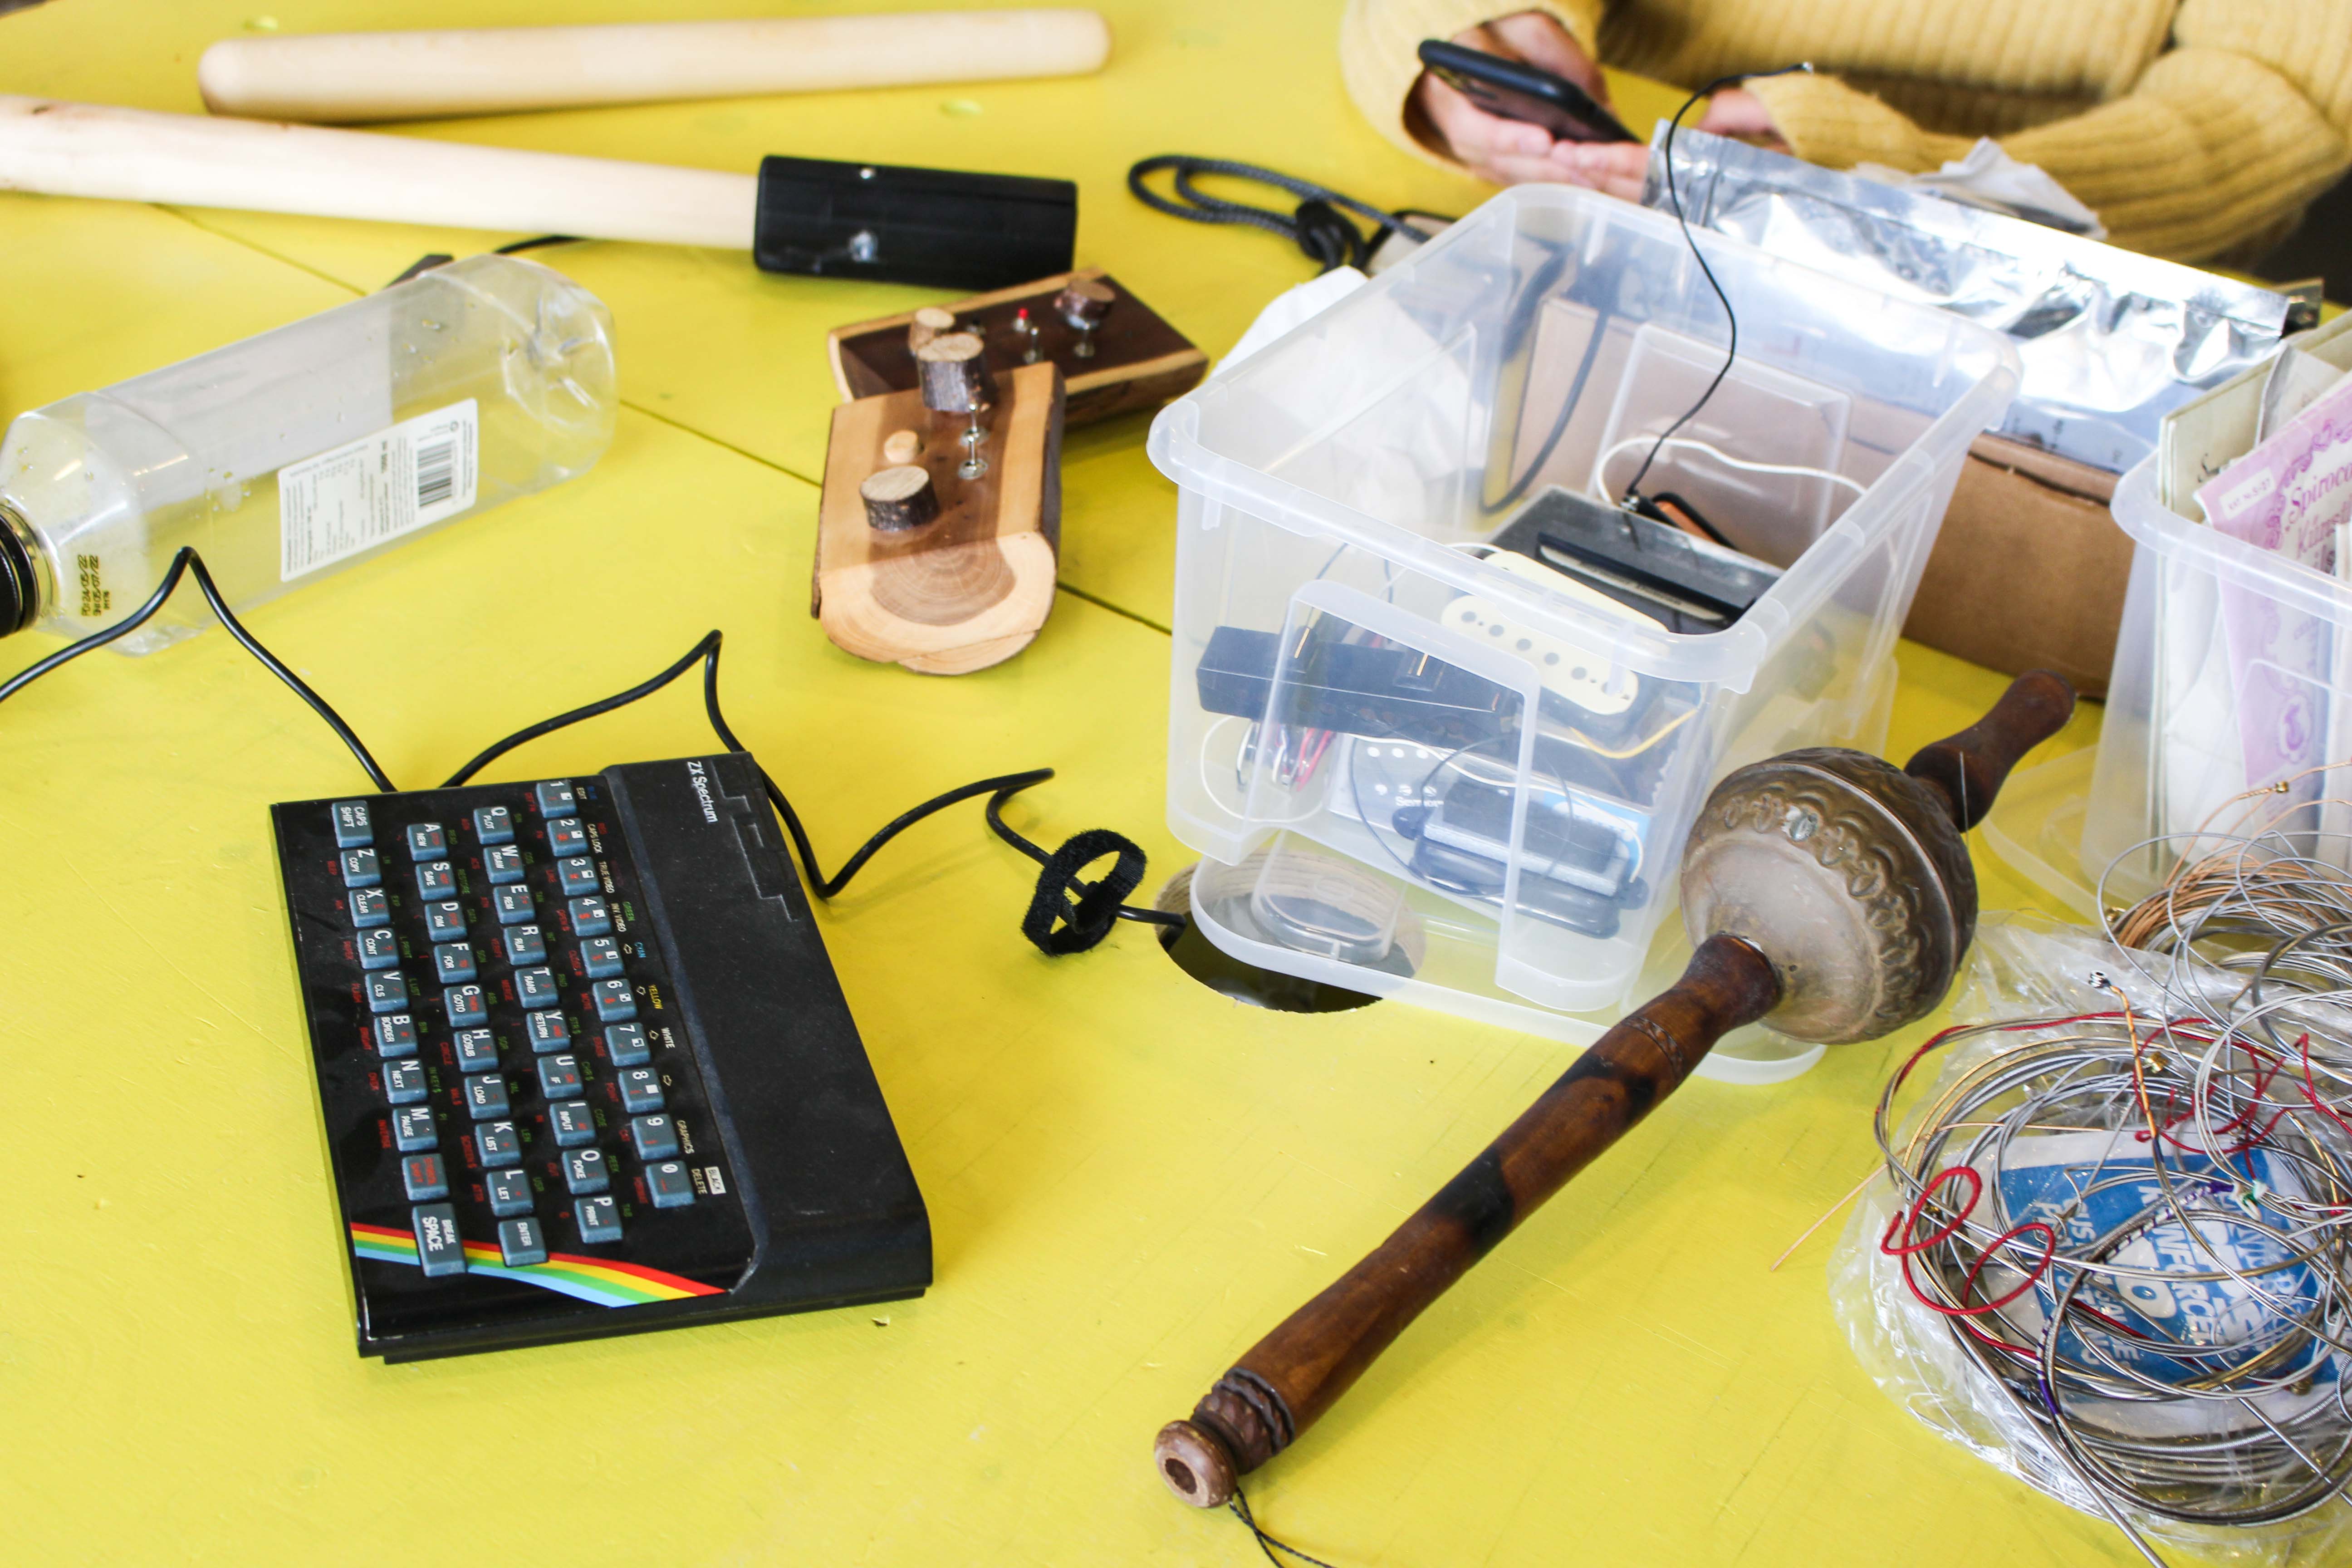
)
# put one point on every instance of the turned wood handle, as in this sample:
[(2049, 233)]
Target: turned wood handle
[(58, 148), (1970, 767), (1291, 1377), (342, 77)]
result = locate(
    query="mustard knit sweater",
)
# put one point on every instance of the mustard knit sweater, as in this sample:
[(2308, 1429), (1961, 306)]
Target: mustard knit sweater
[(2195, 128)]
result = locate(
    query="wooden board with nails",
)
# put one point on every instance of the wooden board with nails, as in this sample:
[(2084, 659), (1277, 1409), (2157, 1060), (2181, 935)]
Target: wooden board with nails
[(1139, 361), (971, 587)]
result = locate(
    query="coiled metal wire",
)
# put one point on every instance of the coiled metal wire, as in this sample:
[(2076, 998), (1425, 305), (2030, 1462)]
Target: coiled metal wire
[(2227, 1109)]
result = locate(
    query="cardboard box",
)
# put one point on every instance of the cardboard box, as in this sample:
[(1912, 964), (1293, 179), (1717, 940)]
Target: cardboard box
[(2029, 569)]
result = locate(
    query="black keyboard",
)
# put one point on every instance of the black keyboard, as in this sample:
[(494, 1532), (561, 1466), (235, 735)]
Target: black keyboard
[(583, 1066)]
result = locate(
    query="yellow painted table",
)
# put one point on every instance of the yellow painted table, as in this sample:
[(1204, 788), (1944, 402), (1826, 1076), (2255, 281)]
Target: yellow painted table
[(1128, 1178)]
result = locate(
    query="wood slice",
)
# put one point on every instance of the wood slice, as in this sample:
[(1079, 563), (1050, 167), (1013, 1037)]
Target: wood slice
[(972, 587), (1139, 361), (901, 446)]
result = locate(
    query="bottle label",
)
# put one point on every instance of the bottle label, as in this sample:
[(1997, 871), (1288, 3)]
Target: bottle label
[(376, 488)]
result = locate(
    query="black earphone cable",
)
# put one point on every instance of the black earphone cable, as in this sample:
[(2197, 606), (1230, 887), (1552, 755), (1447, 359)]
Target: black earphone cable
[(184, 563), (1066, 914), (1673, 193)]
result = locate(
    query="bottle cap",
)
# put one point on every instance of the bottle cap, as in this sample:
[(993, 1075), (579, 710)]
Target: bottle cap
[(20, 585)]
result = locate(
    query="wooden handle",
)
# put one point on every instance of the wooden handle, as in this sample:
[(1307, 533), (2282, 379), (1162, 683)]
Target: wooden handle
[(1291, 1377), (342, 77), (1970, 767), (60, 149)]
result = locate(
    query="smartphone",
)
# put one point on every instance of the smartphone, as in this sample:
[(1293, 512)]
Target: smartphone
[(1513, 89)]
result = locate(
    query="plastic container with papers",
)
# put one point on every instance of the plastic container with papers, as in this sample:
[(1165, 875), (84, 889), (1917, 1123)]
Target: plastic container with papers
[(2228, 712), (1428, 769)]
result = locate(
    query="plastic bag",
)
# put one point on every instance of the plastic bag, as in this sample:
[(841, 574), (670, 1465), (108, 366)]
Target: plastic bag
[(2019, 972)]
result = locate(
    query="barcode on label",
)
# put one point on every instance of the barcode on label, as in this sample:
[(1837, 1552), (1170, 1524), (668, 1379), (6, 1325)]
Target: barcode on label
[(366, 492), (437, 471)]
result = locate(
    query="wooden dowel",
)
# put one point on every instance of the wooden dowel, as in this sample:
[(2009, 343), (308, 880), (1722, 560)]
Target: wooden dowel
[(346, 78), (929, 323), (1791, 887), (955, 378), (54, 148), (1290, 1377), (1970, 767), (898, 498), (1085, 301)]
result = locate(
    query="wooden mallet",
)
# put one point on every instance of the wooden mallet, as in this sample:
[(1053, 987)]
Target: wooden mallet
[(939, 227), (1827, 892)]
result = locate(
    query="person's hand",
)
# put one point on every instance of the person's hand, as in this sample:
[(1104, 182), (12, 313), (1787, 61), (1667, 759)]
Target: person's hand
[(1616, 168), (1509, 152), (1738, 113), (1619, 168)]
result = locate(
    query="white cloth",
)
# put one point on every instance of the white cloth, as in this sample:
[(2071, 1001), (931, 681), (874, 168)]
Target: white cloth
[(1989, 177)]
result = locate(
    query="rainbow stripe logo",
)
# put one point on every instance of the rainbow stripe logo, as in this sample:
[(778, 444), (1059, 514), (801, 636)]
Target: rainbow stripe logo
[(593, 1279)]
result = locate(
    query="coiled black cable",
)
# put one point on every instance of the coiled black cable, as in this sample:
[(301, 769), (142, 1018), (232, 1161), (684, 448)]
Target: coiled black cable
[(1318, 226)]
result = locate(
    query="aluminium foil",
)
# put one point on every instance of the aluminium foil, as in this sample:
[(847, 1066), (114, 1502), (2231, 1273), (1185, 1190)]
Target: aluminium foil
[(2110, 341)]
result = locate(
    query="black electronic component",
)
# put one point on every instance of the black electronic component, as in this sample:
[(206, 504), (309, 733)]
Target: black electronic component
[(1387, 693), (1478, 875), (647, 1107), (1515, 90), (939, 227), (1574, 870), (1684, 584)]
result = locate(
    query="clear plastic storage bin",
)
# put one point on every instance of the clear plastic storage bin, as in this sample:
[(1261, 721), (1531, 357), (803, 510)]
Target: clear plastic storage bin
[(1418, 774), (2233, 673)]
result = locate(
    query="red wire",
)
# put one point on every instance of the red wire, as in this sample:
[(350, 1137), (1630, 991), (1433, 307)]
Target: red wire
[(1968, 1285), (2311, 1089), (2198, 1031), (1909, 1219)]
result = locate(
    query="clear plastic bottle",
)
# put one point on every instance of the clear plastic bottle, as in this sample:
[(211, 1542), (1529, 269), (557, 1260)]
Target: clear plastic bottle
[(304, 450)]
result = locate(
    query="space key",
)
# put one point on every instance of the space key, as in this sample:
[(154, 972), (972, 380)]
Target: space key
[(439, 1247)]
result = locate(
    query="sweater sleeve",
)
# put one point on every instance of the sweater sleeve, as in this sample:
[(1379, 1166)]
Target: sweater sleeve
[(1378, 58), (2222, 140)]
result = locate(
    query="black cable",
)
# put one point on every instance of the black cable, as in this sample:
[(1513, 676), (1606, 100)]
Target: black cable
[(1532, 301), (426, 263), (1673, 193), (995, 812), (1053, 925), (707, 648), (515, 247), (1315, 226), (188, 562), (1266, 1541)]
